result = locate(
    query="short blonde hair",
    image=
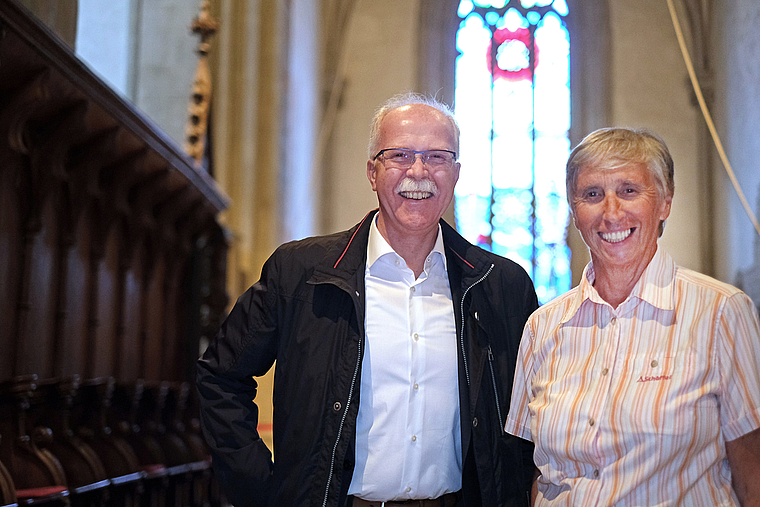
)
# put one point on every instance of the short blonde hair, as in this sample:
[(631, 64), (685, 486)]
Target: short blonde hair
[(614, 147)]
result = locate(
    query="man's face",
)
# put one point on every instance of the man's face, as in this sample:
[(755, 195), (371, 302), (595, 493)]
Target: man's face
[(618, 212), (412, 200)]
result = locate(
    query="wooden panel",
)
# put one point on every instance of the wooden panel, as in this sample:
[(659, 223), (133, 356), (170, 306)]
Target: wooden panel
[(101, 215), (75, 305), (10, 266), (38, 301), (102, 354), (154, 318), (130, 341)]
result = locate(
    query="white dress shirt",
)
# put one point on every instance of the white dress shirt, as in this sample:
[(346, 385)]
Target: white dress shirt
[(408, 436)]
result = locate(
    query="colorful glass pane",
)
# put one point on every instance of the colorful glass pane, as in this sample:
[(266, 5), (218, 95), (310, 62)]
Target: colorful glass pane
[(513, 106)]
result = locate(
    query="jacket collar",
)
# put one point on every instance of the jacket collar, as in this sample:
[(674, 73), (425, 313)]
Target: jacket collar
[(347, 257), (472, 261)]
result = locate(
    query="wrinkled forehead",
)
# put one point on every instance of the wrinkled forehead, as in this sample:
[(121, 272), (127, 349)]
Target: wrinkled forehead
[(606, 168)]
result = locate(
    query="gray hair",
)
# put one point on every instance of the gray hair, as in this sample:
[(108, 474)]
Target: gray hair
[(405, 99), (612, 148)]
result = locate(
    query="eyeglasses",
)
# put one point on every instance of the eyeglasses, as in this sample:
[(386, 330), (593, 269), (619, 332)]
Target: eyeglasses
[(405, 158)]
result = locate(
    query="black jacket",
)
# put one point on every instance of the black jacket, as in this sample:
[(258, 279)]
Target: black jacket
[(307, 313)]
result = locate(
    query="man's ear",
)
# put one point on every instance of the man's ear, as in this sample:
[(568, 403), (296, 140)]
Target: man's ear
[(372, 174)]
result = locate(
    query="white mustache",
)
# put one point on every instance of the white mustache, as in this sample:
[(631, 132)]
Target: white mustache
[(412, 185)]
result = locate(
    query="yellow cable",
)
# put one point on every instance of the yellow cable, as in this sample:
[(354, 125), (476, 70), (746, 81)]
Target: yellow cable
[(708, 119)]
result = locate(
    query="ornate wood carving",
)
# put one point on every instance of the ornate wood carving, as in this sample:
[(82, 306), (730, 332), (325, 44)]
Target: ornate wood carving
[(197, 124), (102, 214)]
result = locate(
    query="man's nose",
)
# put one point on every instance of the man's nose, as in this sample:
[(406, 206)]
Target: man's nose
[(418, 167)]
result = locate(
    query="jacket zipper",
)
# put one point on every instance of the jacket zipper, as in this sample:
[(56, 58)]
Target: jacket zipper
[(342, 423), (495, 391), (461, 309)]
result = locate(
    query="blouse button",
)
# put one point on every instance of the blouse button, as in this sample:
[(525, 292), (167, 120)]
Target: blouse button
[(605, 371), (596, 473), (654, 363)]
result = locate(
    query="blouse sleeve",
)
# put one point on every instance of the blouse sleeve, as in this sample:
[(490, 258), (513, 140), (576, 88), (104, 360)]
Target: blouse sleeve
[(739, 355), (518, 420)]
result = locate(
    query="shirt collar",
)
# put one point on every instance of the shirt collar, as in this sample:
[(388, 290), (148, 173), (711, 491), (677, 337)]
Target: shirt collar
[(655, 286), (377, 246)]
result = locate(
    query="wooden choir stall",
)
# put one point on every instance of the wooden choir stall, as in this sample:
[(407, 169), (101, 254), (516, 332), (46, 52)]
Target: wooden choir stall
[(112, 270)]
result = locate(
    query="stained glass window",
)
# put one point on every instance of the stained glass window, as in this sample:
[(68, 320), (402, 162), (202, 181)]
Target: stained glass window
[(513, 105)]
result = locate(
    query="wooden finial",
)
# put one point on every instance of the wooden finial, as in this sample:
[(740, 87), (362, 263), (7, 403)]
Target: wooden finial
[(195, 131)]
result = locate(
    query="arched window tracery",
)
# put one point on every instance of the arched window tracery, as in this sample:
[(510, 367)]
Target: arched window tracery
[(512, 101)]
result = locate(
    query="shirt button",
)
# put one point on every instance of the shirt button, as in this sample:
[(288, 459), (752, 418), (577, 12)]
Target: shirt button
[(614, 320), (596, 473), (414, 289), (408, 489), (414, 438), (475, 423), (605, 371), (416, 386), (416, 337), (591, 422), (654, 363)]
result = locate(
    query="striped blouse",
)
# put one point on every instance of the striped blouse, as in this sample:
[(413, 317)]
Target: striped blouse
[(632, 406)]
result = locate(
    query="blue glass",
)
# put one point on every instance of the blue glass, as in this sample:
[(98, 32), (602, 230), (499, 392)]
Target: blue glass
[(533, 17), (561, 7), (514, 115), (465, 7)]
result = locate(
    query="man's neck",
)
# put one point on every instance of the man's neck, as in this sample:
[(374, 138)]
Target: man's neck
[(413, 248)]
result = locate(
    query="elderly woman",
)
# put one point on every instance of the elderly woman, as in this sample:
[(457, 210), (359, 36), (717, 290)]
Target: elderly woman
[(640, 386)]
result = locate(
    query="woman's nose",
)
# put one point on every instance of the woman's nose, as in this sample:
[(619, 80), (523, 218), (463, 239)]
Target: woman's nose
[(612, 206)]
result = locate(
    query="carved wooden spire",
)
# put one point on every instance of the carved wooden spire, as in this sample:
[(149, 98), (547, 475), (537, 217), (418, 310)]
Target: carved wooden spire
[(197, 123)]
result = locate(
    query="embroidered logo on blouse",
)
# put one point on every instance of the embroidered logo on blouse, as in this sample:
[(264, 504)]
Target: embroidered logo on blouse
[(652, 379)]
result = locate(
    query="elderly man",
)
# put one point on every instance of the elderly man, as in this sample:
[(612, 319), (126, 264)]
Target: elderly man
[(640, 386), (395, 344)]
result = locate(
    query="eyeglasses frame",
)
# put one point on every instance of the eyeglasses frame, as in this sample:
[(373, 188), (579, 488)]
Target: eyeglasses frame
[(416, 152)]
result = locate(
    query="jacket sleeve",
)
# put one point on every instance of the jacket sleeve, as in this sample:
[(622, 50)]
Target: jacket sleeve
[(528, 306), (244, 347)]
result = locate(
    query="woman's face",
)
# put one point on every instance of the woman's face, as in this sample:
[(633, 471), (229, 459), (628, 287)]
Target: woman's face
[(618, 212)]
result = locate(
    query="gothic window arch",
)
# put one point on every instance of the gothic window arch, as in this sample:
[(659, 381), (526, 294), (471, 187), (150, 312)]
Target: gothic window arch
[(512, 101)]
